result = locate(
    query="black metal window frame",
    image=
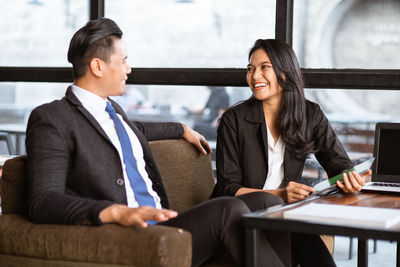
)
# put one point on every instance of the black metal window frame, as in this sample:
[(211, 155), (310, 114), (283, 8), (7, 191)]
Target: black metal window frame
[(368, 79)]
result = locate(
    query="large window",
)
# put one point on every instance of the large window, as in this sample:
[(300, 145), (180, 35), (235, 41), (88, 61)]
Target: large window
[(347, 34), (16, 103), (199, 107), (209, 41), (37, 32), (196, 34), (204, 44), (350, 34)]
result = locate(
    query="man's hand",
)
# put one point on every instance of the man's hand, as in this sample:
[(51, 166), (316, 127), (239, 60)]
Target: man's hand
[(296, 191), (124, 215), (352, 182), (196, 139)]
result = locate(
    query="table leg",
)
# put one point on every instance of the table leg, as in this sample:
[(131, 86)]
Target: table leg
[(351, 248), (17, 144), (362, 260), (251, 247), (398, 255)]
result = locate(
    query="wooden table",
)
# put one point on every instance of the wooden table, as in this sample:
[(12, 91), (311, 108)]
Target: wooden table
[(257, 221)]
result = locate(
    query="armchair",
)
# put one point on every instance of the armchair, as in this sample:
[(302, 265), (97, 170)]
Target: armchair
[(188, 180)]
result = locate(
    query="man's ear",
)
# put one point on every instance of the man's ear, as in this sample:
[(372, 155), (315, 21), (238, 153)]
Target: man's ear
[(96, 66)]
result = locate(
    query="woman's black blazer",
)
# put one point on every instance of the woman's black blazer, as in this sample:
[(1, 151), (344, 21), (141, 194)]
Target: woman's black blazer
[(242, 148)]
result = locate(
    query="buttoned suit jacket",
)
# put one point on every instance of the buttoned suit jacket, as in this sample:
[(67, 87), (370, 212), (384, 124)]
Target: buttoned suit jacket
[(242, 148), (73, 169)]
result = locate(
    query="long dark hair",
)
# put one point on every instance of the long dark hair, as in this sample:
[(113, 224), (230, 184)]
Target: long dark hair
[(292, 114)]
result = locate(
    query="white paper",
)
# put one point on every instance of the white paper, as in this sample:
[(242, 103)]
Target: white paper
[(353, 215)]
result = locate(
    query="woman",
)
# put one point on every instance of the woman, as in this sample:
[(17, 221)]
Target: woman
[(264, 141)]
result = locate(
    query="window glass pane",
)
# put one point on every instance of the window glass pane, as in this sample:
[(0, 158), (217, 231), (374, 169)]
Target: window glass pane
[(347, 34), (199, 107), (37, 32), (16, 103), (196, 33), (353, 115), (356, 109)]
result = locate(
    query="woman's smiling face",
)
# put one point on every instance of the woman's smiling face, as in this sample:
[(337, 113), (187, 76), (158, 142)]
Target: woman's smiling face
[(261, 77)]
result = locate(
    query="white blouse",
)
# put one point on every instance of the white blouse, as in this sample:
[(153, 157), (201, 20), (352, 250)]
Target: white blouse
[(276, 152)]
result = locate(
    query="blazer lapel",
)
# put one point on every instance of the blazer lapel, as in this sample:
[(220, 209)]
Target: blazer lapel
[(75, 101), (255, 114)]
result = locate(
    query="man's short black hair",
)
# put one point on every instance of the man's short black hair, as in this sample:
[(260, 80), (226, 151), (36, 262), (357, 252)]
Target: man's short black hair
[(95, 39)]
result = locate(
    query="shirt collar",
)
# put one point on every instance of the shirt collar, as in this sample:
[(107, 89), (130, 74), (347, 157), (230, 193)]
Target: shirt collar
[(271, 142), (88, 99)]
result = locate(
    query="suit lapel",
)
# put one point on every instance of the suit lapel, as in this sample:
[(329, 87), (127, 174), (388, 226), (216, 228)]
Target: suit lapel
[(255, 114), (75, 101)]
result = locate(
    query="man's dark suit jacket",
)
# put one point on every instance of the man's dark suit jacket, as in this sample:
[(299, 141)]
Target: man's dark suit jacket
[(73, 169), (242, 148)]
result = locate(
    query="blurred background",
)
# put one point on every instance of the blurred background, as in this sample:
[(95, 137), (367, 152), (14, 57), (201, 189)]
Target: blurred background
[(185, 34)]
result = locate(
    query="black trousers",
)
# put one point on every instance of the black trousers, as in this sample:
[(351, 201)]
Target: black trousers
[(216, 228)]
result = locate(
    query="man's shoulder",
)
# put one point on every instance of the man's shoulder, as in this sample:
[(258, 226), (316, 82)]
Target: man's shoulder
[(55, 105), (53, 110)]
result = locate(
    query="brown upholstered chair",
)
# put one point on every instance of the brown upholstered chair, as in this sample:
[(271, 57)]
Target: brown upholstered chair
[(188, 180)]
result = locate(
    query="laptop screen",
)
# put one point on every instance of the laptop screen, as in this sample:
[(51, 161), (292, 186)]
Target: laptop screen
[(387, 153)]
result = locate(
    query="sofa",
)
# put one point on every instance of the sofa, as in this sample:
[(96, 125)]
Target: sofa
[(188, 179)]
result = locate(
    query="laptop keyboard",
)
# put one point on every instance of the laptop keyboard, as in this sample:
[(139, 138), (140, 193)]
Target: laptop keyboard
[(386, 184)]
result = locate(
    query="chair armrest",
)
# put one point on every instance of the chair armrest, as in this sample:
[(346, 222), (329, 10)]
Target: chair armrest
[(112, 244)]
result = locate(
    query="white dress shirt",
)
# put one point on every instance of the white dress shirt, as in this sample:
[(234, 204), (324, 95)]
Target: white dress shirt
[(276, 153), (96, 106)]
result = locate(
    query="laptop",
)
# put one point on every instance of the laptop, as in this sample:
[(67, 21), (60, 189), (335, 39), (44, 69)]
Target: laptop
[(386, 169)]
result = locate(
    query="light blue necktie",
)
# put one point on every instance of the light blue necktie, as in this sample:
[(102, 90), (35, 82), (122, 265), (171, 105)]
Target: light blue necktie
[(138, 185)]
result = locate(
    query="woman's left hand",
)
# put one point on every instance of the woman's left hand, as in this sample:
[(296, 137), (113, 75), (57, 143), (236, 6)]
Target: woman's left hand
[(352, 182)]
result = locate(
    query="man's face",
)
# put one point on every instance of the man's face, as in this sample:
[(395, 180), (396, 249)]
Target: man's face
[(116, 70)]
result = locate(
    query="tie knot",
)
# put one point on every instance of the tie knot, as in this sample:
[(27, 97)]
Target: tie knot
[(109, 108)]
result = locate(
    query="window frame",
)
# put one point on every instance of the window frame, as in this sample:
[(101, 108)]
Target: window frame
[(364, 79)]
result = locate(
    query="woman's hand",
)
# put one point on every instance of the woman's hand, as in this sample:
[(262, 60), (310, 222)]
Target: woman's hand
[(296, 191), (352, 182)]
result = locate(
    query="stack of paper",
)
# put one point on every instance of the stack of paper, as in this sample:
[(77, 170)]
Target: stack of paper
[(358, 216)]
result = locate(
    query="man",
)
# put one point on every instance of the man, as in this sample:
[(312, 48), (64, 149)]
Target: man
[(88, 164), (217, 103)]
